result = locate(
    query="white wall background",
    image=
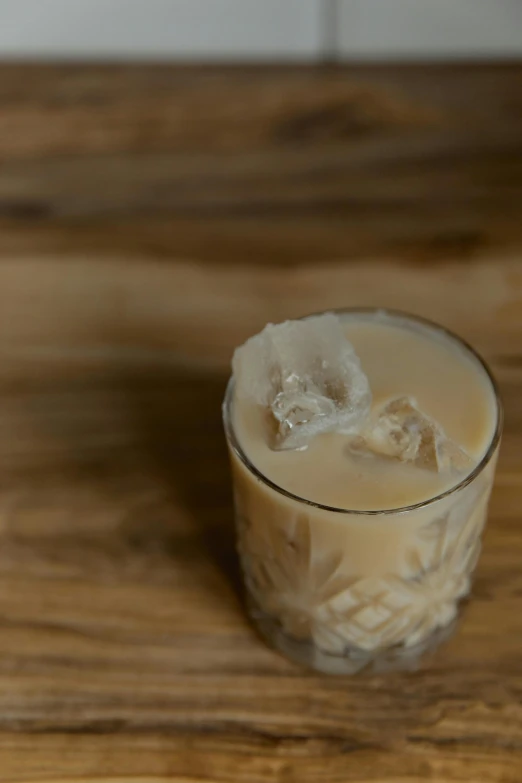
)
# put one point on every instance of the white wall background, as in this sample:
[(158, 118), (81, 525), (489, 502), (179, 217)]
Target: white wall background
[(260, 29)]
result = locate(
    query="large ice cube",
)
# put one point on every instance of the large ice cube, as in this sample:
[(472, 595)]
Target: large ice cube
[(401, 431), (308, 377)]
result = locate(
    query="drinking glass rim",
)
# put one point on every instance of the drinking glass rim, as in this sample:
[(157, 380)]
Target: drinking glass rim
[(397, 314)]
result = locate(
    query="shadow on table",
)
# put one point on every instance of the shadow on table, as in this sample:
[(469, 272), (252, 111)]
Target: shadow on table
[(175, 412), (116, 467)]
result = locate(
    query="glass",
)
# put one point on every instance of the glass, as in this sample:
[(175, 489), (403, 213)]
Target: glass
[(315, 588)]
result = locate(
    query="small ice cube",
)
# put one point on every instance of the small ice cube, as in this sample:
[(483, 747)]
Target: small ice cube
[(307, 375), (401, 431)]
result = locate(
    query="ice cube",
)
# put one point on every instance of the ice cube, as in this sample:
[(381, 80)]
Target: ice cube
[(401, 431), (308, 377)]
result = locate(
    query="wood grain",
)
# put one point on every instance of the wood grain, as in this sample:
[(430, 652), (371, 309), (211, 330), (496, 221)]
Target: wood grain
[(152, 218), (272, 164)]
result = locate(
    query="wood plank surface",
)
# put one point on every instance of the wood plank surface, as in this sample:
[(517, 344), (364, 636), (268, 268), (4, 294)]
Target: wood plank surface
[(150, 220)]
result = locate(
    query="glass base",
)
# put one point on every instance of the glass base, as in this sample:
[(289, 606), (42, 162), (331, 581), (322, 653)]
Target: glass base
[(305, 652)]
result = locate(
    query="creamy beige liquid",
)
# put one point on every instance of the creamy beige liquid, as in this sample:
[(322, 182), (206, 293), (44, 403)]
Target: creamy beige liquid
[(449, 385), (343, 590)]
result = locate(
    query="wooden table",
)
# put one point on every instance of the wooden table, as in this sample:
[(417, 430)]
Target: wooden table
[(151, 219)]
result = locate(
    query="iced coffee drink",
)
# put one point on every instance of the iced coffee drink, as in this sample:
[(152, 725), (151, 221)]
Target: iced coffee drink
[(363, 448)]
